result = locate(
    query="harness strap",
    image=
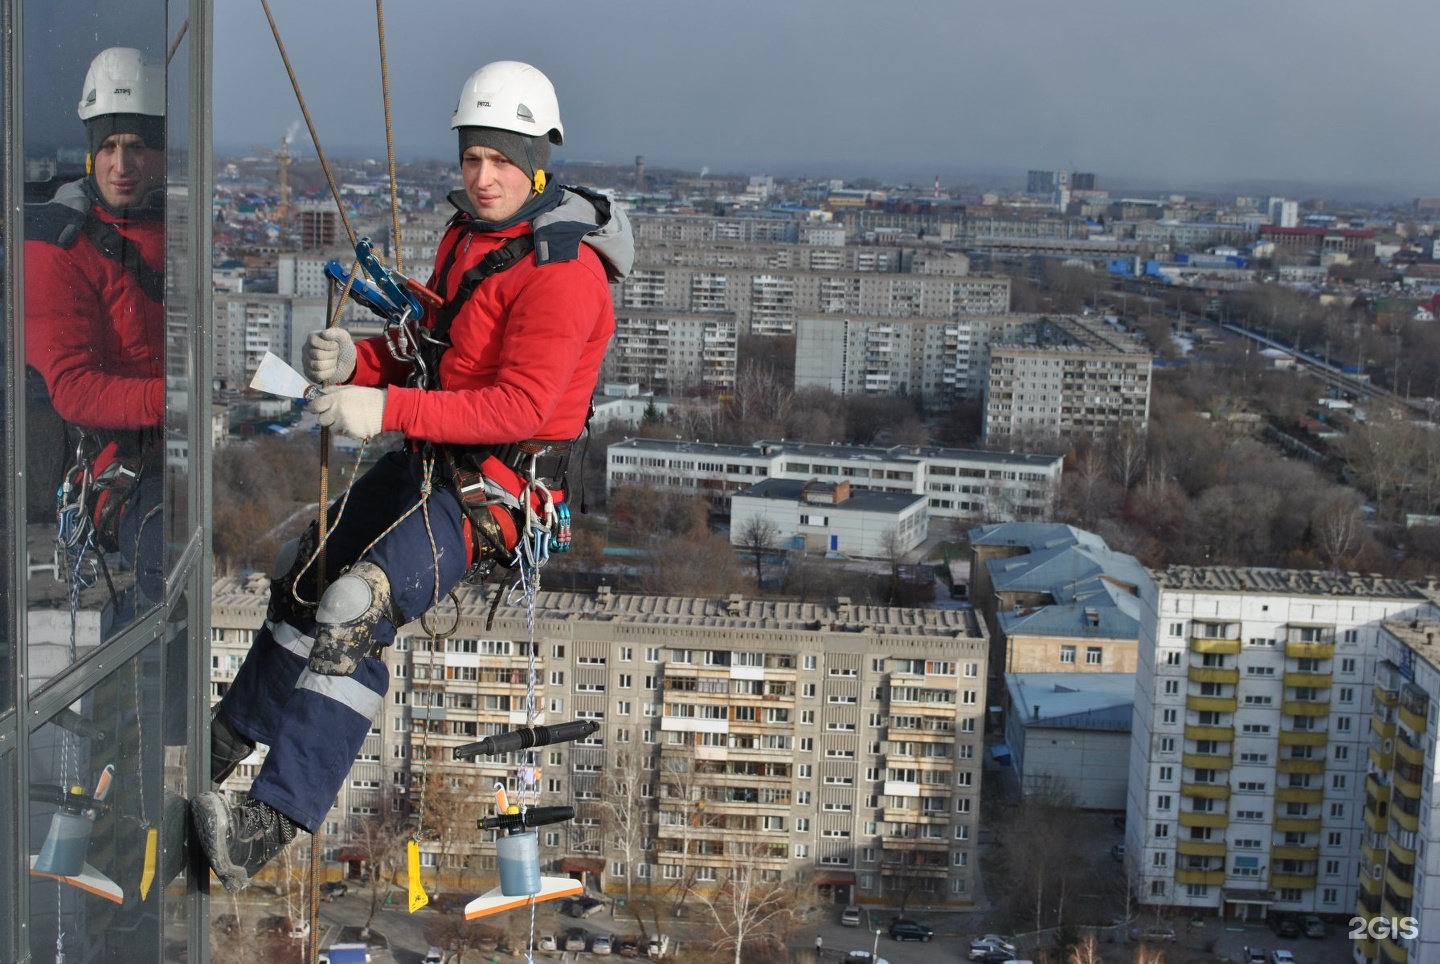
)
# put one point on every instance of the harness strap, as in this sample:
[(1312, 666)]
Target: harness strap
[(507, 255), (114, 245)]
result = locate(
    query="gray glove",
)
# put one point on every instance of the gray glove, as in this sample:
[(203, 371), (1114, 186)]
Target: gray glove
[(329, 356), (351, 410)]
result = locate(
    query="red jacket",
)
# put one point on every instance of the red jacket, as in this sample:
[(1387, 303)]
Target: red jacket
[(92, 334), (525, 356)]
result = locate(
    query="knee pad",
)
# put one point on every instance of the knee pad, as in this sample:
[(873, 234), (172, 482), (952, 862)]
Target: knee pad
[(346, 619), (285, 572)]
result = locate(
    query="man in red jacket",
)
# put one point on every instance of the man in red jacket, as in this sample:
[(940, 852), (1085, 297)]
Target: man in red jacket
[(94, 311), (507, 369)]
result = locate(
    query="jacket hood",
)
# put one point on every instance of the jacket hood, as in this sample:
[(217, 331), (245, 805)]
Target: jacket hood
[(592, 218)]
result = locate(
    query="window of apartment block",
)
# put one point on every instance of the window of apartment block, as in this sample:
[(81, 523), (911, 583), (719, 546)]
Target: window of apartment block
[(1067, 654), (1167, 716), (1093, 655), (1172, 687), (1173, 658)]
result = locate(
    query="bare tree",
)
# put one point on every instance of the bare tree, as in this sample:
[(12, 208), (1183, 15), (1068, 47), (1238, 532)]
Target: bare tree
[(1126, 449), (758, 537), (628, 812), (381, 839), (753, 910), (453, 802), (1338, 527)]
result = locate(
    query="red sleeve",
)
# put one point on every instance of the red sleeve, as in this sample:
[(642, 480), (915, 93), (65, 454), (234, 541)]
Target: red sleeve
[(73, 341), (554, 332), (374, 365)]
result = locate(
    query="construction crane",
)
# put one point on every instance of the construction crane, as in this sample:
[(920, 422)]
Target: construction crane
[(282, 156)]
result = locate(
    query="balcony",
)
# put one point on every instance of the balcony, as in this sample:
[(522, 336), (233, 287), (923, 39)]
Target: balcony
[(1206, 761), (1200, 848), (1401, 888), (1214, 674), (1370, 856), (1409, 752), (1370, 887), (1294, 649), (1394, 953), (1292, 852), (1206, 791), (1194, 818), (1293, 881), (1319, 681), (1215, 877), (1216, 734), (1300, 765), (1374, 821), (1297, 824), (1381, 728), (1386, 697), (1407, 821), (1300, 795), (1405, 787), (1381, 761), (1304, 737), (1415, 721), (1215, 647), (1400, 854), (1211, 704), (1305, 707), (1376, 789)]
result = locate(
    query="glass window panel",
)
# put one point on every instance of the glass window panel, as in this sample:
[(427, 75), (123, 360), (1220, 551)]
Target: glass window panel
[(99, 810), (180, 309), (94, 321)]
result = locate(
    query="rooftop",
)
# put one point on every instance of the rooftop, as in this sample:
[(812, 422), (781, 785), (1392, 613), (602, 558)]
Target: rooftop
[(1297, 582), (1076, 701)]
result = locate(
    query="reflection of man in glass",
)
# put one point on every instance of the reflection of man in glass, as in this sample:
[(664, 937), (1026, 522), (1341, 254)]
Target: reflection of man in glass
[(94, 312)]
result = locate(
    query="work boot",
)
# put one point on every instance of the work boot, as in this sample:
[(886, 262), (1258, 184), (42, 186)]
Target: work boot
[(238, 841), (228, 748)]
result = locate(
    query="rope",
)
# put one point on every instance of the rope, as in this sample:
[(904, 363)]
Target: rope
[(309, 124), (389, 136)]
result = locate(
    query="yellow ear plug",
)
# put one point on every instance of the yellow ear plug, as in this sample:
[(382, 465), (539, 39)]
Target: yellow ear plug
[(539, 180)]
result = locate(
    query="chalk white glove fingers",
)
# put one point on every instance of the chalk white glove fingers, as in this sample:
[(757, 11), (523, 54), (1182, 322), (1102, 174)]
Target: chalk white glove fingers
[(351, 410), (329, 356)]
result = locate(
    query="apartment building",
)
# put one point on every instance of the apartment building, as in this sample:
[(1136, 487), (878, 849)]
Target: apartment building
[(1065, 377), (967, 484), (941, 360), (838, 739), (673, 353), (1400, 833), (768, 301), (1255, 707)]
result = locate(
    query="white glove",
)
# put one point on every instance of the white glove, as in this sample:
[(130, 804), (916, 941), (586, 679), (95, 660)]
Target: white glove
[(350, 410), (329, 356)]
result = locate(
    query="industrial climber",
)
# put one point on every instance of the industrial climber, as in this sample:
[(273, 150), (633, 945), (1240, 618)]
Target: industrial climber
[(501, 391), (95, 319)]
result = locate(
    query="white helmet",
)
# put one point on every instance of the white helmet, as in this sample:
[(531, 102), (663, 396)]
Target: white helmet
[(121, 81), (510, 96)]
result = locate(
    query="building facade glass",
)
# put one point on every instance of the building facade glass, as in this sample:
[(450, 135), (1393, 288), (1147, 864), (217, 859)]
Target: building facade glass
[(106, 443)]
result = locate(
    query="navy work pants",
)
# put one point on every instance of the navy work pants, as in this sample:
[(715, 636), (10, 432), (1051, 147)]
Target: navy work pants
[(315, 724)]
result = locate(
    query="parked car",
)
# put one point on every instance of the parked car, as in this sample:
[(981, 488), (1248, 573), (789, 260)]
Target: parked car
[(1156, 934), (659, 947), (863, 957), (1282, 957), (993, 957), (1313, 926), (333, 888), (989, 944), (909, 930), (433, 956), (627, 947), (451, 903), (582, 907), (575, 939), (548, 943), (850, 916), (600, 945), (1283, 925), (1257, 956)]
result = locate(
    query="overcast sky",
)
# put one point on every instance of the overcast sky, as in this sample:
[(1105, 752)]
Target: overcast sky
[(1328, 93)]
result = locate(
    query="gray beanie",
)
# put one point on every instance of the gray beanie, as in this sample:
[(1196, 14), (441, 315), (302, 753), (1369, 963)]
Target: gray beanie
[(527, 153)]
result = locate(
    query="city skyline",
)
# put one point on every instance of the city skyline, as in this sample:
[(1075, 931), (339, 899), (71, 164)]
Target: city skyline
[(1162, 97)]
